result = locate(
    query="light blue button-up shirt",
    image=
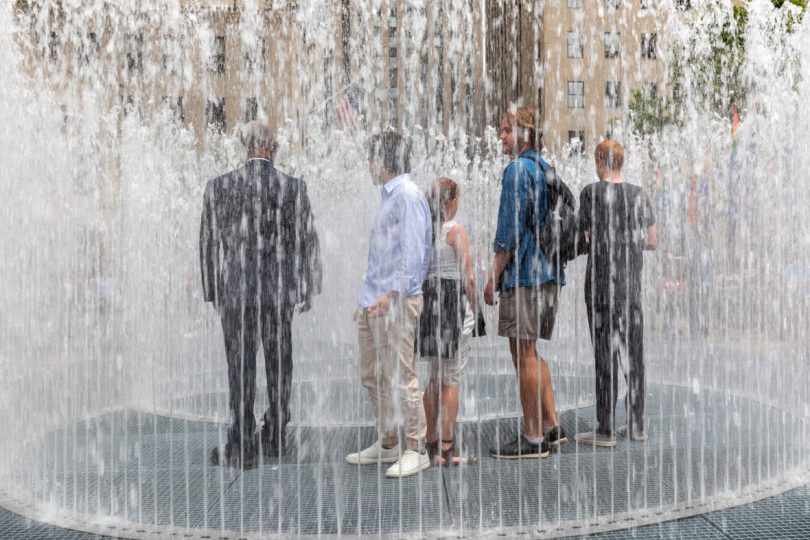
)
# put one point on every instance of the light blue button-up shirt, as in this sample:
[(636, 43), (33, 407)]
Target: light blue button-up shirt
[(401, 237)]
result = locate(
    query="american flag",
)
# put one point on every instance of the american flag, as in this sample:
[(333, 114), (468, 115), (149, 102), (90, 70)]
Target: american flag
[(348, 108)]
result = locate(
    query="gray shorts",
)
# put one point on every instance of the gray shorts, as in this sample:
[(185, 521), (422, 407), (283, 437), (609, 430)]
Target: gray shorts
[(448, 371), (528, 312)]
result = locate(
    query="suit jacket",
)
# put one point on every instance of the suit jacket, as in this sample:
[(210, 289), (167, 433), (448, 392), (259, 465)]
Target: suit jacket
[(258, 244)]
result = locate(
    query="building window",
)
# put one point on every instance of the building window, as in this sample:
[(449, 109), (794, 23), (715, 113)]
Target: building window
[(648, 45), (251, 109), (131, 106), (649, 90), (53, 46), (133, 52), (613, 94), (172, 54), (393, 109), (215, 114), (88, 49), (255, 58), (438, 43), (575, 43), (540, 101), (576, 141), (613, 42), (216, 63), (392, 39), (175, 107), (576, 94), (576, 4)]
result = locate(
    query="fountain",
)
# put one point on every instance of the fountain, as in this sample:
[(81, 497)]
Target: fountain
[(114, 389)]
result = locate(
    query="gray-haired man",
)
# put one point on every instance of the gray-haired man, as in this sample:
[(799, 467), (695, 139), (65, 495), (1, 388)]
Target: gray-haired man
[(259, 257)]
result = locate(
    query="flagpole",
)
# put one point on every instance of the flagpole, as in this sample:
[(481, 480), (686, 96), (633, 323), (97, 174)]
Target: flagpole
[(336, 94)]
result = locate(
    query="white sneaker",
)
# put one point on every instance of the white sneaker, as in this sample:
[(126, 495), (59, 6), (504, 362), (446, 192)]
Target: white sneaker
[(374, 454), (636, 436), (595, 439), (410, 463)]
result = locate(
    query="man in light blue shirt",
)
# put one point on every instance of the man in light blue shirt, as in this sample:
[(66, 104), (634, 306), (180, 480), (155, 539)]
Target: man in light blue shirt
[(390, 303), (399, 253)]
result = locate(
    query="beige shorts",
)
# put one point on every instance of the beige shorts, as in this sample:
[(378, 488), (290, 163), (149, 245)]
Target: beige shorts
[(448, 371), (528, 312)]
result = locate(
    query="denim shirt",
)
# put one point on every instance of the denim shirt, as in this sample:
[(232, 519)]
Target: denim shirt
[(522, 209), (401, 243)]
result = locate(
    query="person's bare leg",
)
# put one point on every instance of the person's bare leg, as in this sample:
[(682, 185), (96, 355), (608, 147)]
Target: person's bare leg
[(530, 387), (524, 357), (449, 411), (430, 399), (449, 401), (547, 395)]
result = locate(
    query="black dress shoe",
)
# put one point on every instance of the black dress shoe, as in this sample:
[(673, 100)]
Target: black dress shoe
[(213, 456), (232, 457), (269, 447)]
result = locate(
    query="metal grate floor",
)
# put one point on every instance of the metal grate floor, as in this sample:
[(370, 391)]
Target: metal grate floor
[(152, 471)]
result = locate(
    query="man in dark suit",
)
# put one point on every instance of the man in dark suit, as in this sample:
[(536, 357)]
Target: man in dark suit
[(260, 258)]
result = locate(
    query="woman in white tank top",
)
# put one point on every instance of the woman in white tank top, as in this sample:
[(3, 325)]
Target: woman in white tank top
[(447, 322)]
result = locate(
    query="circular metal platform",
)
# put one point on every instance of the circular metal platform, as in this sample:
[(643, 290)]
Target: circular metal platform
[(133, 474)]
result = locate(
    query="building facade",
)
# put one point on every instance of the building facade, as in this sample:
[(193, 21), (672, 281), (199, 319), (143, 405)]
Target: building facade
[(205, 64), (578, 62), (442, 66)]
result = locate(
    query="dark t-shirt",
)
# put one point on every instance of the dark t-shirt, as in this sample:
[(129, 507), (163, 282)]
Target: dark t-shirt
[(617, 216)]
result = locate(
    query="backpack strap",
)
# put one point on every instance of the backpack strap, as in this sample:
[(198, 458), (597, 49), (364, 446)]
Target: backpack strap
[(538, 162), (530, 218)]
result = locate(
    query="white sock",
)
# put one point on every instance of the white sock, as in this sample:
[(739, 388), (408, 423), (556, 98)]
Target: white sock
[(533, 440)]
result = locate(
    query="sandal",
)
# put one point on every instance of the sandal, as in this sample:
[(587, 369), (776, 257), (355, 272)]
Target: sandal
[(449, 458), (432, 449)]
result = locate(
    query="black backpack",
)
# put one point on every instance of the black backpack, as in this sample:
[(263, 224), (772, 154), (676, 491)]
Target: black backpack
[(557, 235)]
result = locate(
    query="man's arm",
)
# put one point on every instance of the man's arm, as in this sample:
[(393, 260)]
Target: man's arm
[(651, 244), (310, 252), (506, 234), (501, 260), (207, 247)]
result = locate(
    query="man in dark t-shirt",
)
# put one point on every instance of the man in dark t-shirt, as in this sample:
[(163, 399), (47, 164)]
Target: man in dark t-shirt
[(618, 224)]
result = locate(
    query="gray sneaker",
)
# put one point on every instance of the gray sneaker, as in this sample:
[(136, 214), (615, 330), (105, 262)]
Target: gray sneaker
[(595, 439), (621, 431)]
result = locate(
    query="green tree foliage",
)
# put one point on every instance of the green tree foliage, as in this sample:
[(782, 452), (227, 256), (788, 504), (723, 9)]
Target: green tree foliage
[(801, 3), (716, 80), (648, 114), (791, 20)]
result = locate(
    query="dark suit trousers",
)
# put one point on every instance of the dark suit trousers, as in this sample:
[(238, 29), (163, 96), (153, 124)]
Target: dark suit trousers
[(242, 328), (617, 333)]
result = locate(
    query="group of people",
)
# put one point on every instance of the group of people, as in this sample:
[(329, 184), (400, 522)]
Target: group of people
[(260, 259)]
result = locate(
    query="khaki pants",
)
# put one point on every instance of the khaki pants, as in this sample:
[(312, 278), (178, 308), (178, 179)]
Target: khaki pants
[(387, 370)]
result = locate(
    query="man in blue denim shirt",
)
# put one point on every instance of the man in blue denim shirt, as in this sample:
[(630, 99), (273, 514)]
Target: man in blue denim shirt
[(528, 285)]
